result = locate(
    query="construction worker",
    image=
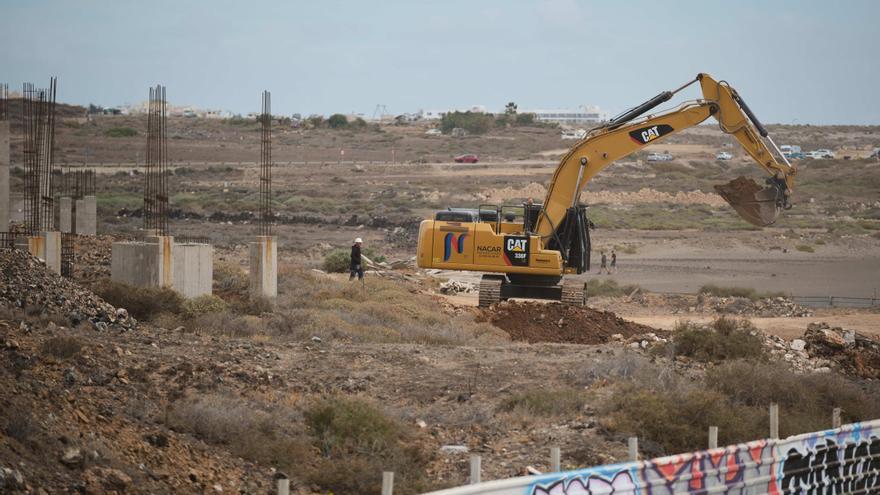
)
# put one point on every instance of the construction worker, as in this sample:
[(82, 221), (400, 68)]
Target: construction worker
[(356, 268), (604, 266), (613, 261)]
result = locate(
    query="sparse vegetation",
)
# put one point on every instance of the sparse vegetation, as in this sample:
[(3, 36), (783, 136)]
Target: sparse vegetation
[(337, 121), (805, 248), (62, 346), (545, 402), (118, 132), (673, 415), (597, 287), (204, 304), (746, 292), (142, 303), (724, 338), (472, 122)]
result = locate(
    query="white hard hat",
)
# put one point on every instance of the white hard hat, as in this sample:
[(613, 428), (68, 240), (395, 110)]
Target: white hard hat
[(358, 240)]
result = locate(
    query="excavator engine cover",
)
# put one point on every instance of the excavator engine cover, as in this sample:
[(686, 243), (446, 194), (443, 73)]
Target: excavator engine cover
[(755, 204)]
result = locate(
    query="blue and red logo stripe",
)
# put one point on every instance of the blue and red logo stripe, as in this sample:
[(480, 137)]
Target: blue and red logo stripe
[(451, 242)]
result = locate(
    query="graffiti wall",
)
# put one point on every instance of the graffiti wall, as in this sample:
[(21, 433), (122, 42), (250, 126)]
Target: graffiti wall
[(844, 460)]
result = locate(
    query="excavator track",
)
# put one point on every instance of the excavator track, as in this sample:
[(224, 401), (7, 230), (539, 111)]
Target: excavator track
[(574, 293), (490, 290)]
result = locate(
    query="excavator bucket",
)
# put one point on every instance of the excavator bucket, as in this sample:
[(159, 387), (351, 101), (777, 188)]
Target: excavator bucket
[(755, 204)]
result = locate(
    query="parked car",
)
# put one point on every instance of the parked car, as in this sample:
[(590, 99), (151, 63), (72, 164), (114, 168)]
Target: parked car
[(822, 153), (433, 132), (724, 155), (793, 155), (659, 157), (875, 153), (469, 158)]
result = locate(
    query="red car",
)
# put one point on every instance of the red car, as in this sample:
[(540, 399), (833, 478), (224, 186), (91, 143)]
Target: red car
[(470, 158)]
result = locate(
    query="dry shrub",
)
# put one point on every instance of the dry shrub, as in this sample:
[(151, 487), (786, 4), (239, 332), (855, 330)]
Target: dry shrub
[(545, 402), (724, 338), (250, 430), (227, 324), (597, 287), (357, 442), (746, 292), (62, 346), (202, 305), (140, 302), (673, 416), (805, 400)]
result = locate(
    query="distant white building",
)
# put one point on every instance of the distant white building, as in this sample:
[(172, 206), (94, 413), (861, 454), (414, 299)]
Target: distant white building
[(585, 114), (438, 114)]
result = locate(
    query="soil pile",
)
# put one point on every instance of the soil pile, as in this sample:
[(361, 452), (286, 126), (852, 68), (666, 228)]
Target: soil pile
[(26, 284), (559, 323)]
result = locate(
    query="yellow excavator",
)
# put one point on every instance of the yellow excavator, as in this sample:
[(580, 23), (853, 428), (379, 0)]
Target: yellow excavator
[(526, 249)]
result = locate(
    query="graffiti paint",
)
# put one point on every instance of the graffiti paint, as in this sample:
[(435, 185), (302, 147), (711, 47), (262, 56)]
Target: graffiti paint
[(832, 462)]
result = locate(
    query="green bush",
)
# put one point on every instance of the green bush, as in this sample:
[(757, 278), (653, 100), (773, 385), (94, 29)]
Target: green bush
[(116, 132), (204, 304), (747, 292), (805, 248), (472, 122), (337, 121), (724, 338), (337, 261), (142, 303)]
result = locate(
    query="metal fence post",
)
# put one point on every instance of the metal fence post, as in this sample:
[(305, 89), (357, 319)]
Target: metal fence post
[(387, 482), (835, 418), (476, 467), (713, 437), (633, 445), (555, 463), (774, 420)]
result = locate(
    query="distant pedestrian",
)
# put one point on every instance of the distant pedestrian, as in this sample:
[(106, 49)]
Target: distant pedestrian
[(356, 268), (613, 261), (604, 266)]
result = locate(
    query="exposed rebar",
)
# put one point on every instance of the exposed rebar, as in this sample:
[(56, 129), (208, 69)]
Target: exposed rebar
[(156, 165), (4, 102), (266, 166), (38, 121)]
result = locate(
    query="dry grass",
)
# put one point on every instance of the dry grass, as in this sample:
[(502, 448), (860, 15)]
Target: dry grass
[(546, 402), (62, 346)]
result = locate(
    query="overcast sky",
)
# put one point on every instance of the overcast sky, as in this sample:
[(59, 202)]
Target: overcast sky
[(793, 61)]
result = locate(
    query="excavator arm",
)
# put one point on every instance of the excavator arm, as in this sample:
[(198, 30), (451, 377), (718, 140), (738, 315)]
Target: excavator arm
[(632, 131)]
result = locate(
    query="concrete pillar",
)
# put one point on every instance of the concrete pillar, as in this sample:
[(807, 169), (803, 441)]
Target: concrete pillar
[(65, 214), (264, 267), (4, 177), (193, 269), (87, 216), (46, 246), (147, 263)]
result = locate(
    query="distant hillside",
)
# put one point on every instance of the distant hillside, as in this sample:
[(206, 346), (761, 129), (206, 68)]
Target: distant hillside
[(62, 110)]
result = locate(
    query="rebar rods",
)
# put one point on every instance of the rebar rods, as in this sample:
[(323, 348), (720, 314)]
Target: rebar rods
[(156, 165), (38, 119), (4, 102), (266, 166), (78, 183)]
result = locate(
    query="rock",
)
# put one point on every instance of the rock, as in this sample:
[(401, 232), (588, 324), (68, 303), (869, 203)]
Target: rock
[(315, 338), (454, 449), (798, 345), (10, 480), (72, 457), (421, 424)]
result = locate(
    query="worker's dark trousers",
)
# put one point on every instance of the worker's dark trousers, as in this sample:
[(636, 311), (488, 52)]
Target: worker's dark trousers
[(356, 270)]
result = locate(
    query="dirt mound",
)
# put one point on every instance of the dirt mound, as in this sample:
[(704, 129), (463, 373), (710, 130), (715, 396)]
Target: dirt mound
[(558, 323), (27, 284)]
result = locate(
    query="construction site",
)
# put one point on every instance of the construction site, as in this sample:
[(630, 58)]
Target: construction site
[(485, 303)]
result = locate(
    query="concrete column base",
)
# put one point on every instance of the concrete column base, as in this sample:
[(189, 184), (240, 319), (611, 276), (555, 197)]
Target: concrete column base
[(46, 246), (264, 267), (193, 269), (65, 214), (147, 263), (86, 216)]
